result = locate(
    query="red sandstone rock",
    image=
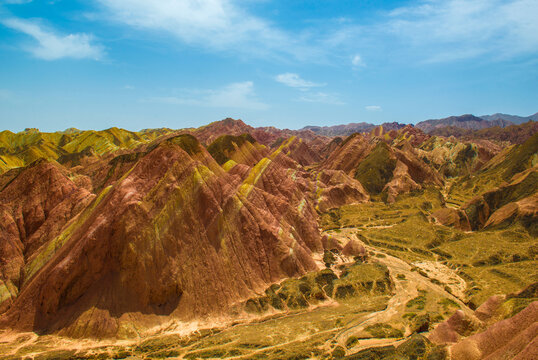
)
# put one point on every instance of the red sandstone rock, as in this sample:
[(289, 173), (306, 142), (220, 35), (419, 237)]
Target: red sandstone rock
[(504, 339)]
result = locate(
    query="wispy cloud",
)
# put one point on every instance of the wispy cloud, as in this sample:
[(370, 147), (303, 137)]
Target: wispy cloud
[(373, 108), (53, 46), (448, 30), (15, 2), (220, 25), (357, 61), (295, 81), (321, 97), (235, 95)]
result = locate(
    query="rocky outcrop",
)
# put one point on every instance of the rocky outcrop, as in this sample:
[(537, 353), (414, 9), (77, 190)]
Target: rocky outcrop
[(511, 337), (34, 208), (508, 202), (452, 217), (333, 188), (525, 210), (297, 149), (355, 280), (348, 154), (454, 328), (497, 330)]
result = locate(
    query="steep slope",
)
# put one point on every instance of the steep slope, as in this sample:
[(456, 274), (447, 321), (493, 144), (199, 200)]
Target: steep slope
[(34, 207), (177, 235), (500, 169), (452, 158), (298, 149), (241, 149), (384, 162), (504, 327), (523, 185), (69, 147), (348, 153), (376, 170)]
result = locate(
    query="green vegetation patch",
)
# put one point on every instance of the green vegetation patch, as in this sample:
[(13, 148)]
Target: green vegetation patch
[(376, 169), (224, 146), (187, 142), (382, 330)]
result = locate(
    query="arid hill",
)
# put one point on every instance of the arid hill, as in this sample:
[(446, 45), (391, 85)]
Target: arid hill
[(466, 121), (514, 134), (230, 241)]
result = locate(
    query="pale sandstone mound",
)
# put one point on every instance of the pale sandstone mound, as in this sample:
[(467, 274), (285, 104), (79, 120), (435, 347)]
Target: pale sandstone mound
[(452, 217)]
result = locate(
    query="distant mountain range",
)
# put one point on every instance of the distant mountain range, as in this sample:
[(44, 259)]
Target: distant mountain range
[(467, 121), (344, 130), (512, 118)]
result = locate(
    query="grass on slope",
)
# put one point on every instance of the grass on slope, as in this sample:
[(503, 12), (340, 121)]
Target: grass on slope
[(223, 147), (498, 170), (376, 169)]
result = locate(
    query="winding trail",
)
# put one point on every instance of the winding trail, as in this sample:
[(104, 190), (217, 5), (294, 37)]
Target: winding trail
[(404, 290)]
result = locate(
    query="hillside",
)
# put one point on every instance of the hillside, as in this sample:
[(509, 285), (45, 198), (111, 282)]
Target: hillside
[(514, 134), (511, 118), (229, 241), (464, 122), (345, 130)]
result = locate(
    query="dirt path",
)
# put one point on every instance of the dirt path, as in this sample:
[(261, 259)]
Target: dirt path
[(404, 290)]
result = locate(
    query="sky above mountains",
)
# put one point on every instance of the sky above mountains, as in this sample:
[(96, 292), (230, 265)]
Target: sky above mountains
[(163, 63)]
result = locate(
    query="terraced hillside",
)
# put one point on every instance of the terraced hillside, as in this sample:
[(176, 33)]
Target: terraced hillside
[(235, 242)]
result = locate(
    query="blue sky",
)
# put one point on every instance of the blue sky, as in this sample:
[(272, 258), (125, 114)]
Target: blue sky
[(184, 63)]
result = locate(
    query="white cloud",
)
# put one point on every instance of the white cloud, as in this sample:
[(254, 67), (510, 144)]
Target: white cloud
[(235, 95), (357, 60), (295, 81), (321, 97), (219, 25), (15, 2), (51, 46), (373, 108), (447, 30)]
